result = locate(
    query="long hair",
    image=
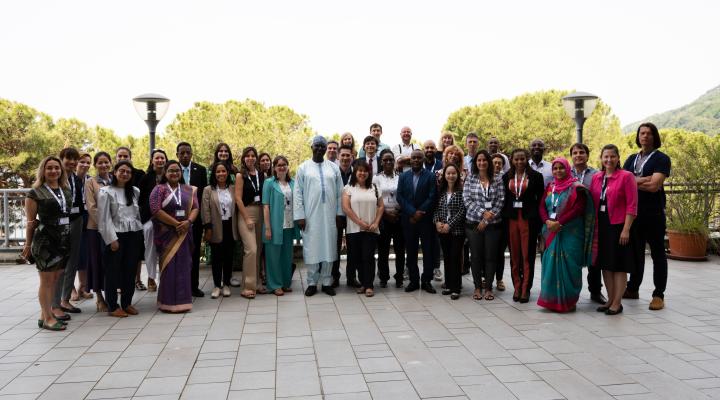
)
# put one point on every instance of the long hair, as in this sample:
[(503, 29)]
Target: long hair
[(450, 150), (167, 165), (150, 167), (40, 174), (444, 134), (245, 152), (219, 146), (512, 155), (274, 164), (360, 164), (610, 147), (129, 189), (443, 182), (489, 170), (655, 133), (352, 143), (266, 174), (213, 170)]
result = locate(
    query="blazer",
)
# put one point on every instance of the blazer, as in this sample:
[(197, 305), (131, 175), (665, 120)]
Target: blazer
[(455, 210), (274, 198), (621, 196), (423, 199), (92, 189), (530, 196), (211, 216)]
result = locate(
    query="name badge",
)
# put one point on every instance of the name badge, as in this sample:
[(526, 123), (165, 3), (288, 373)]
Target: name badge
[(602, 208), (553, 215), (488, 204), (64, 221), (75, 210), (256, 199), (517, 204), (180, 213)]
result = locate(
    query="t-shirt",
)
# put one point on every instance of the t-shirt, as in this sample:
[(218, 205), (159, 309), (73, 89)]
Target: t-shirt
[(364, 203), (650, 203)]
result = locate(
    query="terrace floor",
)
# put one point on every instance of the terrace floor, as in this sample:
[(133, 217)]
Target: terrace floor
[(392, 346)]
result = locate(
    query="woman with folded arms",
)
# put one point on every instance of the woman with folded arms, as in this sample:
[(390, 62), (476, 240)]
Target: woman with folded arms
[(279, 229), (363, 206), (122, 231), (449, 219), (615, 196), (218, 216), (95, 246), (47, 240)]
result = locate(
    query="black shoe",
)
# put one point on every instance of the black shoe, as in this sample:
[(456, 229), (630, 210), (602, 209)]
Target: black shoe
[(198, 293), (353, 283), (454, 296), (62, 317), (427, 286), (383, 284), (610, 311), (598, 298), (411, 287), (71, 309), (310, 291), (335, 282), (328, 290), (631, 294), (602, 309), (398, 284), (446, 292)]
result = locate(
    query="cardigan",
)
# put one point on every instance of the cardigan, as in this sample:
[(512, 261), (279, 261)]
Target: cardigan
[(274, 198), (621, 195)]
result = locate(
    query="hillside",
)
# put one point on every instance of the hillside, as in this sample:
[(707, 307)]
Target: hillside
[(701, 115)]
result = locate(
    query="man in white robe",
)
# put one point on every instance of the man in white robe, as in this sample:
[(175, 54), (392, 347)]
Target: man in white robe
[(316, 204)]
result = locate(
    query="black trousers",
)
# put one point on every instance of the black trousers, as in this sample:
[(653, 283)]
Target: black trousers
[(423, 232), (483, 250), (350, 266), (594, 279), (222, 256), (650, 229), (452, 247), (500, 257), (120, 268), (391, 230), (197, 232), (362, 248)]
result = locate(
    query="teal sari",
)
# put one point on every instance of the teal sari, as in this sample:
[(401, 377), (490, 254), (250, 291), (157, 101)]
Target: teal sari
[(566, 251)]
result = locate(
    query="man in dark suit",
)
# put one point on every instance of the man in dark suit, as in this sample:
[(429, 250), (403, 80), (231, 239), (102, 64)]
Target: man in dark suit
[(416, 194), (196, 175)]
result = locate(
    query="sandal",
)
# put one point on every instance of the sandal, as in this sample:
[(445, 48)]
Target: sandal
[(489, 295), (152, 286), (86, 295), (369, 293), (74, 296), (500, 285), (262, 291), (477, 295), (278, 292), (248, 294), (140, 286)]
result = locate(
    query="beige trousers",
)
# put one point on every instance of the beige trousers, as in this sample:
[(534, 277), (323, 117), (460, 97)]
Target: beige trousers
[(252, 245)]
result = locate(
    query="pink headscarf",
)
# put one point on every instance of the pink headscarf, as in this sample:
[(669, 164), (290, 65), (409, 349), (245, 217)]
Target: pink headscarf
[(569, 179)]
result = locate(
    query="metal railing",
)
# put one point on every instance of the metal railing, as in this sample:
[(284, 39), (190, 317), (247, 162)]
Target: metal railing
[(12, 228)]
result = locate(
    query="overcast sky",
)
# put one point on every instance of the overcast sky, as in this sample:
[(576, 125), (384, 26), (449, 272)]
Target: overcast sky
[(348, 64)]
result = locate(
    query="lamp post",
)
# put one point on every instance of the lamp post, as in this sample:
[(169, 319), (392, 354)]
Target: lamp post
[(151, 107), (579, 106)]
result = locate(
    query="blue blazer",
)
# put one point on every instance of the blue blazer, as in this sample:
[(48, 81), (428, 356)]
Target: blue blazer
[(424, 197)]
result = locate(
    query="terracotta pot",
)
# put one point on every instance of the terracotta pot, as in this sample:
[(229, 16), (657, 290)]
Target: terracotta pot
[(687, 246)]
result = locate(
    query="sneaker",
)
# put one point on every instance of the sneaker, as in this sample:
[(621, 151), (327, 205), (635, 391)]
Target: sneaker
[(657, 303), (215, 293), (235, 282), (226, 291), (437, 274)]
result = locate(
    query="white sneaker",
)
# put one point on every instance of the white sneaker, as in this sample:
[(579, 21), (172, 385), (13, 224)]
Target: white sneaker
[(215, 293), (438, 274), (226, 291), (235, 282)]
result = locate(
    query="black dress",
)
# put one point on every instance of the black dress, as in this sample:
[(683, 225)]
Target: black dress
[(611, 255)]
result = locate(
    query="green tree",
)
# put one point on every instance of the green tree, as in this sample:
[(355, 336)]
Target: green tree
[(274, 129)]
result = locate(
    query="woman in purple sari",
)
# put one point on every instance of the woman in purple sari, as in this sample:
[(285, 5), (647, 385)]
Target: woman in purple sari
[(174, 207)]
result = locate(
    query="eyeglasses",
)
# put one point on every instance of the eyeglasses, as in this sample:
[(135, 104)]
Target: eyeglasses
[(173, 171)]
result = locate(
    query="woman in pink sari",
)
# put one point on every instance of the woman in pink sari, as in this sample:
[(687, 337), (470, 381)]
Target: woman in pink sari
[(174, 207)]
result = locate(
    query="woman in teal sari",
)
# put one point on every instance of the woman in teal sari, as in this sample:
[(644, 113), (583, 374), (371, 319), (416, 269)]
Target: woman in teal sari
[(566, 210)]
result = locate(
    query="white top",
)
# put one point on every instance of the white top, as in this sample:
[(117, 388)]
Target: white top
[(226, 203), (114, 215), (388, 190), (544, 168), (364, 203), (288, 210)]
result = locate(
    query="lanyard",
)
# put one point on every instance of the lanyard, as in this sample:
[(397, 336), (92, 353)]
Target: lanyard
[(635, 169), (603, 189), (176, 194), (255, 182), (60, 199), (485, 190), (72, 187), (518, 189), (581, 177), (553, 201)]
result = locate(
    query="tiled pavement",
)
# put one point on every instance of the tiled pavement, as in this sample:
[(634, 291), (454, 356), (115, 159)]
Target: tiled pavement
[(392, 346)]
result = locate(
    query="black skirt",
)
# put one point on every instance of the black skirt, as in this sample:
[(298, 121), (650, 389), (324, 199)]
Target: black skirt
[(611, 255)]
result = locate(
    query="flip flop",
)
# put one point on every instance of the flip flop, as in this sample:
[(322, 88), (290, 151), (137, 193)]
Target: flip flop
[(477, 295), (489, 296), (248, 294)]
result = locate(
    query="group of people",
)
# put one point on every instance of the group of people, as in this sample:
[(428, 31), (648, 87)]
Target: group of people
[(461, 209)]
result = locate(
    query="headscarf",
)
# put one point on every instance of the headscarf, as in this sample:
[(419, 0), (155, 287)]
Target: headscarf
[(319, 139), (561, 185)]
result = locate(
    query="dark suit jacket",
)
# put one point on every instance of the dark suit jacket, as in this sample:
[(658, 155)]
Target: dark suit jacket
[(198, 178), (530, 196), (423, 198)]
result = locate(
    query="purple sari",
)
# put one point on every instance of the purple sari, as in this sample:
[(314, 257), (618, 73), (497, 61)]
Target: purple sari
[(174, 291)]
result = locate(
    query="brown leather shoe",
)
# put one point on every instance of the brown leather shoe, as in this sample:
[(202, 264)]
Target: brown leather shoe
[(631, 294), (118, 313), (131, 310), (657, 303)]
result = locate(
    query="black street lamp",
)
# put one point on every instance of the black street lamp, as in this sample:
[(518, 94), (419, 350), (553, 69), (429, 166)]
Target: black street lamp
[(151, 107), (579, 106)]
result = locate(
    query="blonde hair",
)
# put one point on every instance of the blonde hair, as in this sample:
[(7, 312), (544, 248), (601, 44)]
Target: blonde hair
[(455, 149), (445, 134), (350, 135), (40, 175)]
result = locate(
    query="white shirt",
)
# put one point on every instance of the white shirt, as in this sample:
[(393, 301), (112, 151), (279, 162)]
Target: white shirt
[(364, 203), (544, 168), (388, 189)]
